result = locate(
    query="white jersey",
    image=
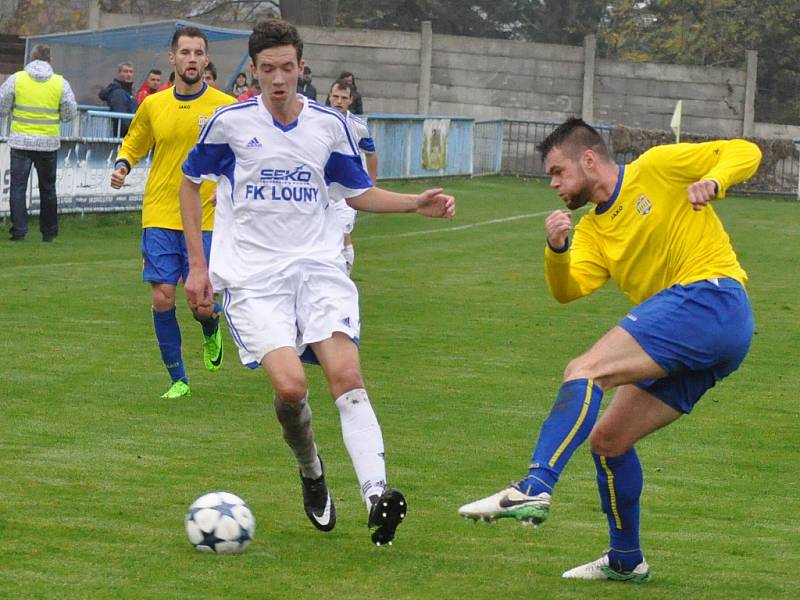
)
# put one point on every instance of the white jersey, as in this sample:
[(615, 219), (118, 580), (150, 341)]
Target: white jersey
[(363, 139), (273, 181)]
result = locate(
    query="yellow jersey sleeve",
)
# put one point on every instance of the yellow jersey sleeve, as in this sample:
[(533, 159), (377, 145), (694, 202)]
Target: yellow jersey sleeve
[(647, 237), (139, 139), (576, 272)]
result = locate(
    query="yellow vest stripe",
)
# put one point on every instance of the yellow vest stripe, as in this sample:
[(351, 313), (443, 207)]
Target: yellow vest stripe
[(37, 105)]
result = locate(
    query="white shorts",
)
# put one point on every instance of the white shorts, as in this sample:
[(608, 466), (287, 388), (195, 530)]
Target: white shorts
[(346, 215), (305, 303)]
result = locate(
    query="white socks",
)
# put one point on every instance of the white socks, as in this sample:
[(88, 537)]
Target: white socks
[(364, 442), (295, 420)]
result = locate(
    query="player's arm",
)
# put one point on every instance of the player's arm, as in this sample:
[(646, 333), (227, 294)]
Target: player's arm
[(372, 166), (430, 203), (197, 286), (709, 168), (136, 144), (572, 267), (346, 178), (210, 159)]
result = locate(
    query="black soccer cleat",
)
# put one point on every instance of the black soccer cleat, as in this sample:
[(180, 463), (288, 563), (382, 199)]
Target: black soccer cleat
[(387, 512), (317, 502)]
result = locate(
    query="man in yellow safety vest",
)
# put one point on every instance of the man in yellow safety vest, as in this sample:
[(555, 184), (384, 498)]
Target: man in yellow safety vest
[(38, 100)]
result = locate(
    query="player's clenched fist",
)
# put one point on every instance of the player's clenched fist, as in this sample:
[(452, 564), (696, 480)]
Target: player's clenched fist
[(558, 225), (118, 177)]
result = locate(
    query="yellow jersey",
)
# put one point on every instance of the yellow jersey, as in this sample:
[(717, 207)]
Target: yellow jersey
[(171, 122), (647, 237)]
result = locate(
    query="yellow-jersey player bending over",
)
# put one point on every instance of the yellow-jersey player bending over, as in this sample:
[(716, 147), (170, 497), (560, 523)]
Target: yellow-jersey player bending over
[(171, 121), (653, 231)]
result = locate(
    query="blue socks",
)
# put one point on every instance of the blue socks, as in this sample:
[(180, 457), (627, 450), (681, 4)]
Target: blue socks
[(211, 324), (168, 334), (571, 419), (620, 482)]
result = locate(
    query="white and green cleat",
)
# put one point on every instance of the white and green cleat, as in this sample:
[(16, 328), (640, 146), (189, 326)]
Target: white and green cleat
[(510, 503), (179, 389), (600, 570), (212, 350)]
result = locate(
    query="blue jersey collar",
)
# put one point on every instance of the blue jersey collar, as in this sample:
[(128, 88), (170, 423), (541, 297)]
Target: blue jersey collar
[(186, 98), (601, 208)]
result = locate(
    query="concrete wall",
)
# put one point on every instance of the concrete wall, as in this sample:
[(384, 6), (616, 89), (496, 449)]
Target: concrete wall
[(386, 65), (422, 73), (497, 78)]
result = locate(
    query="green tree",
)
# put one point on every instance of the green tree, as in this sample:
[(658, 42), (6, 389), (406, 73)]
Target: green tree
[(714, 33), (554, 21)]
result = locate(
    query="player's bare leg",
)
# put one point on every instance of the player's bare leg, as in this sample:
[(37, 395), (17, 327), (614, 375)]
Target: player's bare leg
[(288, 379), (338, 356)]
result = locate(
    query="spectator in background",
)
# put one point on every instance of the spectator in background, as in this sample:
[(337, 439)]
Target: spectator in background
[(168, 83), (210, 75), (304, 85), (253, 90), (38, 100), (149, 86), (119, 96), (240, 86), (340, 98), (356, 106)]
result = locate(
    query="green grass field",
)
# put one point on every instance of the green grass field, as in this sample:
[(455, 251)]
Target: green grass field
[(462, 351)]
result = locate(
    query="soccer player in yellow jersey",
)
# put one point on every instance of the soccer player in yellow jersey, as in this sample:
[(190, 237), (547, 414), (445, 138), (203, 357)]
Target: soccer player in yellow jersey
[(652, 230), (171, 120)]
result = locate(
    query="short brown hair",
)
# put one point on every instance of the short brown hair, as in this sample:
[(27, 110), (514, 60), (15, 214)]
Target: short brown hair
[(188, 31), (41, 52), (270, 33), (342, 84)]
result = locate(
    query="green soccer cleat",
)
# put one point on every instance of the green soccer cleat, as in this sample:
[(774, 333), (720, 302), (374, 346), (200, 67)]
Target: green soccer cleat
[(510, 503), (179, 389), (212, 350), (600, 570)]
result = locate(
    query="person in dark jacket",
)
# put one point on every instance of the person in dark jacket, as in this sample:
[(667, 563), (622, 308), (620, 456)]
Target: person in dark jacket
[(119, 96), (304, 85)]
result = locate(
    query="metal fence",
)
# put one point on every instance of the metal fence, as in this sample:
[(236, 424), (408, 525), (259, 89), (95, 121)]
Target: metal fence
[(507, 146), (92, 123)]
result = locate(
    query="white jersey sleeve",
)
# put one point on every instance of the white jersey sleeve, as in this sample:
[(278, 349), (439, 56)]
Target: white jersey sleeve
[(212, 156), (344, 171), (361, 130)]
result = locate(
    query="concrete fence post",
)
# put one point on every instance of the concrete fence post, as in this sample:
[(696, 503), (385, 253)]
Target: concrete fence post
[(425, 57), (748, 123), (589, 60)]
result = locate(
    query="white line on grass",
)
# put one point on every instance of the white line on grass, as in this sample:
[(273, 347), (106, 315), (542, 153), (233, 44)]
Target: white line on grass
[(459, 228)]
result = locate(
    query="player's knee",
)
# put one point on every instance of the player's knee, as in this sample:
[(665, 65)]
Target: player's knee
[(163, 298), (584, 367), (290, 390), (603, 442), (578, 368), (346, 379)]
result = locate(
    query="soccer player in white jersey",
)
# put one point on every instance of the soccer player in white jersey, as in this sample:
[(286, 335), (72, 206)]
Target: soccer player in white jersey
[(276, 258), (340, 98)]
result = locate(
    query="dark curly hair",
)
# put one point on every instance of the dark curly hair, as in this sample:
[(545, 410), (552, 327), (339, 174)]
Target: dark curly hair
[(274, 32)]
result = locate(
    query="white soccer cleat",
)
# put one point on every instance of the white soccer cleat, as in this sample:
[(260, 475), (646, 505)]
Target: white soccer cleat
[(600, 570), (511, 503)]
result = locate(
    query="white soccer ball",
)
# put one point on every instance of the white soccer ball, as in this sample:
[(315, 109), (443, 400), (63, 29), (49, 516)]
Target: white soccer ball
[(220, 522)]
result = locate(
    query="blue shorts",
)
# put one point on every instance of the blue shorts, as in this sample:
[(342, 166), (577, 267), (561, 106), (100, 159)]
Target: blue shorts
[(165, 257), (698, 333)]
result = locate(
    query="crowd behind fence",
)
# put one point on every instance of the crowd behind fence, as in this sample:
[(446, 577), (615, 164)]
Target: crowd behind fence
[(500, 146)]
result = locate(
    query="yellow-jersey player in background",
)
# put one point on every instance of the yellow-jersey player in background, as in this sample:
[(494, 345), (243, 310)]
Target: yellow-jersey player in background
[(653, 231), (171, 121)]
